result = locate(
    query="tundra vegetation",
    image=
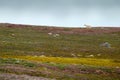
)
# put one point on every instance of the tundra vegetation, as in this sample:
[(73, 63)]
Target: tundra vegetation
[(53, 53)]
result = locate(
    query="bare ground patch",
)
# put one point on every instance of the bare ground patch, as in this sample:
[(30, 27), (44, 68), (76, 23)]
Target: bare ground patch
[(9, 76)]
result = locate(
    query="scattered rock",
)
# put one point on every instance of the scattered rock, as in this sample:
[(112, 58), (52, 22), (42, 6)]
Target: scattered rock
[(50, 33), (56, 35), (42, 56), (98, 54), (13, 34), (99, 72), (79, 55), (90, 55), (73, 55), (106, 44)]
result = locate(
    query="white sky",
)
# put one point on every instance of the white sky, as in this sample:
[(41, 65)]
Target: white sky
[(67, 13)]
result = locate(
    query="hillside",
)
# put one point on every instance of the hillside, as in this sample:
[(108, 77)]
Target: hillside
[(58, 53)]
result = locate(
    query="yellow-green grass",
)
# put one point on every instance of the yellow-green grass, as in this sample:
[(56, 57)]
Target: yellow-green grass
[(84, 61), (32, 41)]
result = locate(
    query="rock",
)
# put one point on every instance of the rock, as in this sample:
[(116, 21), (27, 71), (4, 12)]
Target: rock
[(50, 33), (56, 35), (106, 44)]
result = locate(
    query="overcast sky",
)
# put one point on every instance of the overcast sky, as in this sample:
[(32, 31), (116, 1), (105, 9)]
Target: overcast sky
[(69, 13)]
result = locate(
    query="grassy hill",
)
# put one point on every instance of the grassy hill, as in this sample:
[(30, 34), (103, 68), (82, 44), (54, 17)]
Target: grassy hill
[(60, 53)]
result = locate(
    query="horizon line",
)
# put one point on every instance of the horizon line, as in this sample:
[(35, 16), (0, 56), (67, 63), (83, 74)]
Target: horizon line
[(54, 25)]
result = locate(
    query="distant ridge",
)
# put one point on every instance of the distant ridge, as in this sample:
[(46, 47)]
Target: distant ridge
[(23, 25), (65, 30)]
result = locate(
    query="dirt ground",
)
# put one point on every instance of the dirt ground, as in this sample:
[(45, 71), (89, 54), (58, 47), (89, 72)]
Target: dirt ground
[(9, 76)]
